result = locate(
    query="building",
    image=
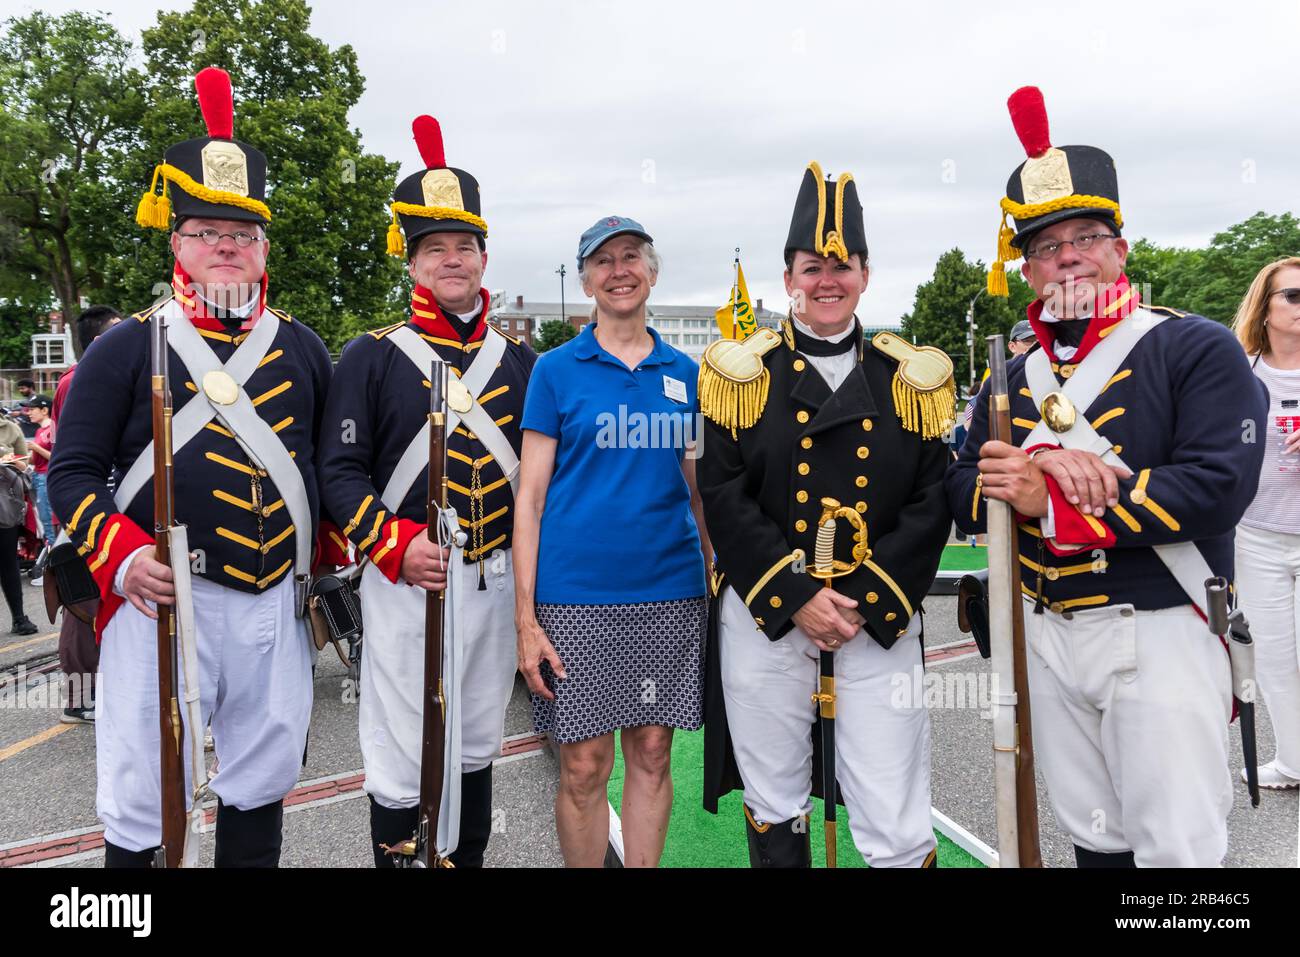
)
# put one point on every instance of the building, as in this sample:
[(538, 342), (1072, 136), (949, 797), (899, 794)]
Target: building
[(688, 328)]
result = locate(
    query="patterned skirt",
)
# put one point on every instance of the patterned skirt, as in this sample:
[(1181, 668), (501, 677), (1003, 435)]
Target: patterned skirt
[(625, 666)]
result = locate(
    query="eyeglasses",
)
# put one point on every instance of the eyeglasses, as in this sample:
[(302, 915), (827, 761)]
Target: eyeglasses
[(1044, 251), (210, 237), (1292, 296)]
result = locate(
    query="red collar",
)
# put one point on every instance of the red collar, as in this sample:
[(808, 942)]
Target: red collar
[(427, 315), (196, 308), (1116, 302)]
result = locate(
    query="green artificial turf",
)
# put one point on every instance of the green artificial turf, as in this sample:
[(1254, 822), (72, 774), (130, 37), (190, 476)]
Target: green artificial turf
[(697, 838), (963, 558)]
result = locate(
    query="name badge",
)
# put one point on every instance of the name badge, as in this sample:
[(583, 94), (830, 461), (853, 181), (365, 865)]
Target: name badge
[(675, 389)]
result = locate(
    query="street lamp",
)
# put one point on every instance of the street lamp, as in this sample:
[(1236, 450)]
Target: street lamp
[(563, 317), (970, 338)]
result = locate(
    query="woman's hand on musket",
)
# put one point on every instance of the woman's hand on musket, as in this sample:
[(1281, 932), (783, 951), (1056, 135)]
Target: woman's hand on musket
[(533, 648)]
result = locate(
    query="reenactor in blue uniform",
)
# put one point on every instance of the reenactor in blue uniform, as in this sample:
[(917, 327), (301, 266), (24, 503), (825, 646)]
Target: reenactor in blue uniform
[(1133, 460), (249, 386), (811, 418), (374, 473)]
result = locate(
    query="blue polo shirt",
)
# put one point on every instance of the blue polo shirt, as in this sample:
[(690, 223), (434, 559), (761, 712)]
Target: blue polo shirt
[(617, 527)]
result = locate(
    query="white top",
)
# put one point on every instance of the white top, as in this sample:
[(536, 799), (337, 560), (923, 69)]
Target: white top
[(1277, 503)]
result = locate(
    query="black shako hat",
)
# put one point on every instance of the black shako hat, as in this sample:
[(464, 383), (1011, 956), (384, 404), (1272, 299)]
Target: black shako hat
[(1053, 184), (439, 199), (827, 217), (214, 176)]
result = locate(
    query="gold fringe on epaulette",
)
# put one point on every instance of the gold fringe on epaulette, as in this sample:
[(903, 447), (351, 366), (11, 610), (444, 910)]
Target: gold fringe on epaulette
[(929, 413), (733, 405)]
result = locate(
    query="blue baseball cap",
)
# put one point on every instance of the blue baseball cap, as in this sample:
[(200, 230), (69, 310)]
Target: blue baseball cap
[(605, 229)]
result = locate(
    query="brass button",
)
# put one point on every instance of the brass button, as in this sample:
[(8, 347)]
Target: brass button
[(1067, 371), (1056, 607), (759, 622), (801, 496), (266, 511), (801, 526), (798, 365), (1052, 574), (801, 416), (775, 601), (872, 598), (863, 452), (866, 425), (861, 481), (803, 468), (806, 442), (1138, 496), (861, 506), (901, 632), (890, 616)]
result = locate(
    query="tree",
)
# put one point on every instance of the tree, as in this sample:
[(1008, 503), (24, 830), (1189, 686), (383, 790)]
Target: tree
[(553, 332), (1214, 281), (328, 264), (70, 105), (1150, 268), (938, 316)]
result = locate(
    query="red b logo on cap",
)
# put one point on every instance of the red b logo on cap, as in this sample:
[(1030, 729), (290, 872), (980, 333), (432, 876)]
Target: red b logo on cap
[(613, 221)]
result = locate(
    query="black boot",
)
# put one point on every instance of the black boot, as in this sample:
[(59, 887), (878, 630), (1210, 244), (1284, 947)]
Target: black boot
[(249, 838), (475, 818), (24, 626), (390, 826), (1086, 858), (115, 856), (779, 843)]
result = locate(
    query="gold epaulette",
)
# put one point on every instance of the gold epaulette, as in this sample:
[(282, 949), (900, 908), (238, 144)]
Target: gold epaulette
[(508, 336), (1171, 313), (925, 394), (380, 333), (280, 314), (733, 379)]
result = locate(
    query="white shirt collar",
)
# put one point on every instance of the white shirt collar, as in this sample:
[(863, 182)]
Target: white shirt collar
[(807, 331)]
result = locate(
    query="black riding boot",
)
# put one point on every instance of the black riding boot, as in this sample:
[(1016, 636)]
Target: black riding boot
[(779, 843), (249, 838), (390, 826), (475, 818)]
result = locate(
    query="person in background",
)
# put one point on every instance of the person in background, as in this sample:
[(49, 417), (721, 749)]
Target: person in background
[(78, 650), (26, 389), (1268, 539), (13, 494), (42, 446)]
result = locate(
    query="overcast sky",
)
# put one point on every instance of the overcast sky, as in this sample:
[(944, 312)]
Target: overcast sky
[(697, 118)]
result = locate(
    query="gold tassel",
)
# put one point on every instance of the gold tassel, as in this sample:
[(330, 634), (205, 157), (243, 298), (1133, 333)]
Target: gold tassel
[(929, 413), (1007, 252), (997, 285), (733, 405), (144, 213), (162, 210), (396, 245)]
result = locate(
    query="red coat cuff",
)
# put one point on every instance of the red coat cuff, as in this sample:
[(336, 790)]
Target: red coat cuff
[(120, 538), (331, 547), (387, 553), (1074, 530)]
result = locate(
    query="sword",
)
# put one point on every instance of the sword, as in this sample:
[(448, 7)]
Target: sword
[(826, 567), (1233, 627)]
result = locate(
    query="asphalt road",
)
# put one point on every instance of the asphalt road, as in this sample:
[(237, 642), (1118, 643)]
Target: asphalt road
[(47, 774)]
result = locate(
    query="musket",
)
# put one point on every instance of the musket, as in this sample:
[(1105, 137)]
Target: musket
[(826, 567), (171, 727), (1235, 630), (421, 850), (1015, 792)]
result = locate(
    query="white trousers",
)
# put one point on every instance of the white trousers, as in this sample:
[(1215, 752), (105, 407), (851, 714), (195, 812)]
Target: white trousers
[(1130, 718), (392, 675), (882, 752), (255, 690), (1268, 586)]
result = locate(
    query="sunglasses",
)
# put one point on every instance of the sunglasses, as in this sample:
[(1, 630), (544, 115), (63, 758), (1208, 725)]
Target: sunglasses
[(1292, 296)]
